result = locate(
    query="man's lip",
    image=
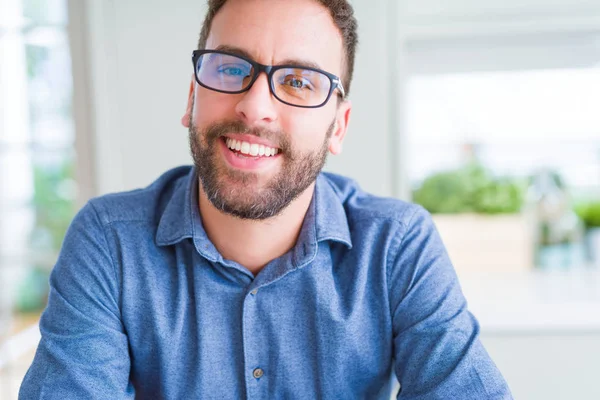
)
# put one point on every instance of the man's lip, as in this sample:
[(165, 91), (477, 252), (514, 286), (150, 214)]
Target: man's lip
[(251, 139), (246, 163)]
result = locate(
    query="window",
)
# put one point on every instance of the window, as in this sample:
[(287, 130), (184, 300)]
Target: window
[(523, 110), (37, 154)]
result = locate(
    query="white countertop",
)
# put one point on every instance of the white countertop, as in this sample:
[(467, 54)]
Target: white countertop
[(535, 301)]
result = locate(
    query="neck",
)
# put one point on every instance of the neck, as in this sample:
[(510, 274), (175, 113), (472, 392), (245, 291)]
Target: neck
[(251, 243)]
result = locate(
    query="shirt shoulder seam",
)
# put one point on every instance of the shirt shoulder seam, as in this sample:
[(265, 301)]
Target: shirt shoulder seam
[(115, 218), (392, 258), (110, 253)]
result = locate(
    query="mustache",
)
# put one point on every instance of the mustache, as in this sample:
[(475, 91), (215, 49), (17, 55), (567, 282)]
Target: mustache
[(220, 129)]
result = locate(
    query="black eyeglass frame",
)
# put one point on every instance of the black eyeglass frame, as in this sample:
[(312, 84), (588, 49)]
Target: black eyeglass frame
[(335, 82)]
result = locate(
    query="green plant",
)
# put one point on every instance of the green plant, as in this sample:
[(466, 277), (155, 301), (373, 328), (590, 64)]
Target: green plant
[(470, 189), (33, 291), (54, 205), (589, 212)]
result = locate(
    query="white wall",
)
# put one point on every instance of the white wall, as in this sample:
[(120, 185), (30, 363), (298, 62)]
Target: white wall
[(369, 154), (141, 51), (440, 18)]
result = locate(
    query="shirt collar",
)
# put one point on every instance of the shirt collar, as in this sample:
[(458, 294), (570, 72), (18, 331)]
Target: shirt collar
[(325, 220), (330, 218), (176, 221)]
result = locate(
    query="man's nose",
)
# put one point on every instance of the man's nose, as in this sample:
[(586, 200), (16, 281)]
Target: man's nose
[(257, 105)]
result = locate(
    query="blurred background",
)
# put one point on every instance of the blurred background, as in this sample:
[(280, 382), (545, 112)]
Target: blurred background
[(483, 111)]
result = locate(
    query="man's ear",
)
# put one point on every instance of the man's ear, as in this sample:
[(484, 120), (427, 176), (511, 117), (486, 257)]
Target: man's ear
[(185, 120), (340, 127)]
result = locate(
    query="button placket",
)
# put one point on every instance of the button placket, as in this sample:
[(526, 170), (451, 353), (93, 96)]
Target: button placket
[(254, 351)]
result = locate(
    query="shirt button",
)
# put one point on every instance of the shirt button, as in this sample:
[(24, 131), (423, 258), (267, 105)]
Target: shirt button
[(254, 292), (258, 373)]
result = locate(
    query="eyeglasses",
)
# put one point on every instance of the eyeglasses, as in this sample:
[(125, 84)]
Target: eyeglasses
[(293, 85)]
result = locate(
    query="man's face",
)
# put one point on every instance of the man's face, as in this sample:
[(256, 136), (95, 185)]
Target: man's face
[(258, 187)]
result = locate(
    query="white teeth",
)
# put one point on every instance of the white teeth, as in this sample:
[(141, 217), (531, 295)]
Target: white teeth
[(252, 150), (245, 148)]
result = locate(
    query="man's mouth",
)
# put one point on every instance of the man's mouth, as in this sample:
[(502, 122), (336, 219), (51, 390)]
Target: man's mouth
[(247, 149)]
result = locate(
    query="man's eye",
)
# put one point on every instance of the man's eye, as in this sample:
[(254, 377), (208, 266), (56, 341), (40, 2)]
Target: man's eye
[(298, 83), (233, 71)]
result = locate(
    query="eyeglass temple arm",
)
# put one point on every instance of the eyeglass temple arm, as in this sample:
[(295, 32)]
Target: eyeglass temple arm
[(340, 88)]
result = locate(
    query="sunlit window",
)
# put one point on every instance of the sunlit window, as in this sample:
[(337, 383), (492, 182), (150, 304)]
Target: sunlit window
[(509, 163), (37, 187)]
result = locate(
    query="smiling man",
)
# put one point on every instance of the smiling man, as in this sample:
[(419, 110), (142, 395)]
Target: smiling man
[(253, 274)]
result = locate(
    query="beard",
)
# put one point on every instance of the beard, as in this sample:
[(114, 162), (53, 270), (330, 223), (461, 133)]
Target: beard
[(236, 192)]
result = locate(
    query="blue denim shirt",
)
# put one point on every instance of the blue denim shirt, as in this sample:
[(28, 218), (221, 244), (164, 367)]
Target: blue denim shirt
[(142, 305)]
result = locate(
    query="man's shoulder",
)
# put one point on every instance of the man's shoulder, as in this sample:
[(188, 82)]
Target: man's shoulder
[(145, 204), (363, 206)]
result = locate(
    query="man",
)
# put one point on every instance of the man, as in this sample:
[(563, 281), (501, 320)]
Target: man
[(253, 275)]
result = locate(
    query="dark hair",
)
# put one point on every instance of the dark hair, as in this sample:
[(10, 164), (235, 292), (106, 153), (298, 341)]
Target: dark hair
[(343, 17)]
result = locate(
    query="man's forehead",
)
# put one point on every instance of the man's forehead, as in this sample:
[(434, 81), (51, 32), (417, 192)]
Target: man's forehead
[(278, 31)]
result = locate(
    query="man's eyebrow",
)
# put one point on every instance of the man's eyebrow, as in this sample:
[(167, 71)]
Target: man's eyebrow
[(300, 63), (288, 61), (233, 50)]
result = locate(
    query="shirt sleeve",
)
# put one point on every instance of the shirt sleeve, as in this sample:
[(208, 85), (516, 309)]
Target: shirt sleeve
[(437, 351), (83, 352)]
